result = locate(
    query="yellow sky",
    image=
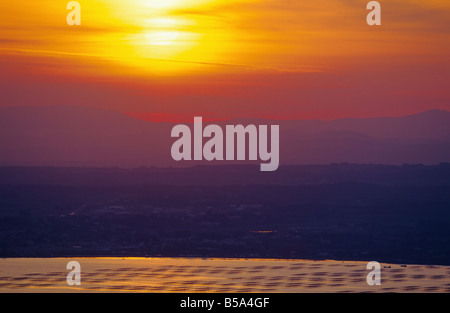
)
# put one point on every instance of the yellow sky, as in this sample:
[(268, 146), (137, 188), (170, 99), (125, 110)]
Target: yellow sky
[(154, 36), (144, 34)]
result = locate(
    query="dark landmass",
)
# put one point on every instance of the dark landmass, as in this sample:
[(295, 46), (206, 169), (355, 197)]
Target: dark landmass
[(408, 174), (382, 213)]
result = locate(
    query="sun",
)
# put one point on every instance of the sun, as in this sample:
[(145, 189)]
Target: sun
[(168, 36), (162, 38), (162, 31)]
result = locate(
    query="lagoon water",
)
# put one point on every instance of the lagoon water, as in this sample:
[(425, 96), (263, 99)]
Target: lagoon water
[(215, 275)]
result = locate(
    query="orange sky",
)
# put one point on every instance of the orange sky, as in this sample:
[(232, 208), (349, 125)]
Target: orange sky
[(228, 58)]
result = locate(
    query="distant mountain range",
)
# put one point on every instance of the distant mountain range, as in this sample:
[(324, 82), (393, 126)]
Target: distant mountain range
[(91, 137)]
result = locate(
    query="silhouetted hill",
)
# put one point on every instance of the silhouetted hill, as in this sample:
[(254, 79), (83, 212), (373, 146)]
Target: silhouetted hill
[(91, 137), (80, 136)]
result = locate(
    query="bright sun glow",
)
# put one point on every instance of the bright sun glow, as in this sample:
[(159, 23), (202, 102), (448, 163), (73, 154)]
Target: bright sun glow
[(163, 31), (170, 4), (162, 22), (162, 38), (159, 4), (167, 30), (144, 36)]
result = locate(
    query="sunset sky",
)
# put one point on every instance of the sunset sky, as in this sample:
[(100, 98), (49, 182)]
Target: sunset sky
[(174, 59)]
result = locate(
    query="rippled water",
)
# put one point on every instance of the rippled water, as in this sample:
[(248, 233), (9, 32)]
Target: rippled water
[(215, 275)]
